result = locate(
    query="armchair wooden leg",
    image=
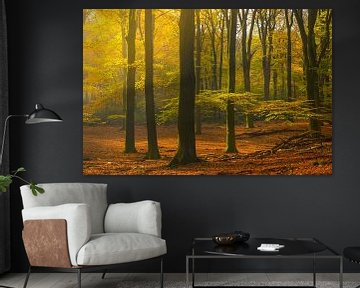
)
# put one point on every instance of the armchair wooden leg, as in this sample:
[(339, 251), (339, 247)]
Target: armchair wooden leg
[(161, 273), (79, 277), (103, 275), (27, 277)]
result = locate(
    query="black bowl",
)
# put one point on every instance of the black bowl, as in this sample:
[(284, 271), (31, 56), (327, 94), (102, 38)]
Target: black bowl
[(231, 238), (241, 236), (225, 239)]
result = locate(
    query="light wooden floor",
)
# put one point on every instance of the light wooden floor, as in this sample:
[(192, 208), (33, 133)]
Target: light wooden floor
[(68, 280)]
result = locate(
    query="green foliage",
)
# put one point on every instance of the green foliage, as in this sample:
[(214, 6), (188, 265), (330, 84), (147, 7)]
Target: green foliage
[(209, 100), (248, 103), (6, 180), (36, 189), (290, 111), (103, 106), (115, 118), (91, 120), (169, 111), (20, 169), (244, 102)]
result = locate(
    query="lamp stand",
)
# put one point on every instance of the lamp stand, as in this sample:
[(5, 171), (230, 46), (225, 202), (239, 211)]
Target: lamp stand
[(4, 134)]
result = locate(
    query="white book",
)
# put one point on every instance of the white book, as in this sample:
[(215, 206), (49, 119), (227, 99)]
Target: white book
[(270, 247)]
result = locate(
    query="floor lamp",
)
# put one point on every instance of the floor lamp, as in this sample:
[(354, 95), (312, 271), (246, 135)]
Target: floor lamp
[(39, 115)]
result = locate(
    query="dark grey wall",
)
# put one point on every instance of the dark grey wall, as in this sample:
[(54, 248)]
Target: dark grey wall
[(45, 50)]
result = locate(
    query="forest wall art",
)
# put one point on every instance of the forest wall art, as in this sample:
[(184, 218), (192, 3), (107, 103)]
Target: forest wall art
[(207, 91)]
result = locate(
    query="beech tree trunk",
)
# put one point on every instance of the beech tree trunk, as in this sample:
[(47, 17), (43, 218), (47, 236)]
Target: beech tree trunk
[(212, 32), (130, 91), (222, 28), (246, 53), (312, 60), (230, 113), (124, 71), (289, 20), (198, 72), (312, 75), (283, 86), (186, 152), (266, 25), (153, 149), (275, 83), (246, 39)]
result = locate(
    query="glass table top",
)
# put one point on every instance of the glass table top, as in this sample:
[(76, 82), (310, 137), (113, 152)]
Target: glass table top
[(292, 247)]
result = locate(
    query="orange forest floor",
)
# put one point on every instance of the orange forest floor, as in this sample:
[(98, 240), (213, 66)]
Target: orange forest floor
[(271, 148)]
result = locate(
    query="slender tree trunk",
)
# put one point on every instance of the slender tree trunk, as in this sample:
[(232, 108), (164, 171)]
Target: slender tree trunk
[(153, 149), (266, 68), (124, 71), (230, 113), (283, 88), (245, 55), (130, 94), (312, 69), (321, 88), (266, 26), (222, 28), (310, 62), (263, 34), (186, 152), (275, 83), (327, 82), (289, 22), (246, 40), (214, 69), (212, 31), (198, 72), (227, 23), (269, 57)]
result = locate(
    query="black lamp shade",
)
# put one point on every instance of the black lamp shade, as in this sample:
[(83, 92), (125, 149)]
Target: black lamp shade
[(42, 115)]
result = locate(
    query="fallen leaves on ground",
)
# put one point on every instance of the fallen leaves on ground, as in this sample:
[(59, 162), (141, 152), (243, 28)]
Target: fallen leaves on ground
[(104, 145)]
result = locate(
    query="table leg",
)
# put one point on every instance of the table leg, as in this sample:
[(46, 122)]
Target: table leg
[(193, 272), (314, 271), (187, 272), (341, 273), (193, 268)]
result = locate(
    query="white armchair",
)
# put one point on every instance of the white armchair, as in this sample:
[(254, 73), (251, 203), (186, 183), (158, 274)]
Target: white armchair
[(72, 228)]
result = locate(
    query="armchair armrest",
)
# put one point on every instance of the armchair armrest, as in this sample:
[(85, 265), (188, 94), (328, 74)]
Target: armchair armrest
[(77, 217), (138, 217)]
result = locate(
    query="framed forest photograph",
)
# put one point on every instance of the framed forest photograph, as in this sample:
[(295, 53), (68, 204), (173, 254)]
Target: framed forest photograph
[(207, 91)]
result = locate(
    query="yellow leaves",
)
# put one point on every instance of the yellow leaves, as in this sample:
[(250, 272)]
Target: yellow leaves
[(105, 62), (102, 49), (102, 58)]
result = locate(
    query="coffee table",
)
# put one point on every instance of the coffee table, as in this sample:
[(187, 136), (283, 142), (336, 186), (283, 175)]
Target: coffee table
[(294, 248)]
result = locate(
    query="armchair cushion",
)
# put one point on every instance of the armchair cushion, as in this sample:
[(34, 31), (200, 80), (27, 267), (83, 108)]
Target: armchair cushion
[(78, 221), (138, 217), (113, 248), (92, 194)]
